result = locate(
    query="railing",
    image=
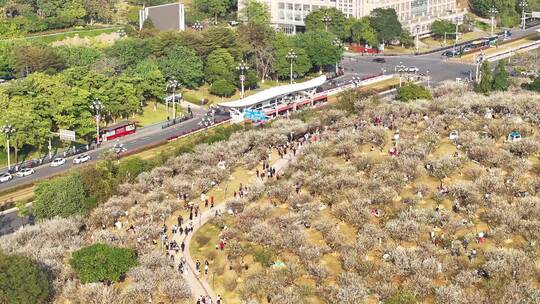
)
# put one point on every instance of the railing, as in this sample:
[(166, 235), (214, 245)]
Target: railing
[(175, 121)]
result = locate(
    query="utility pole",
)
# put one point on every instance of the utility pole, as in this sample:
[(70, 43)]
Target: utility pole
[(8, 130), (242, 66), (97, 106), (326, 19), (291, 56), (399, 68), (173, 84), (493, 11), (523, 4), (339, 45)]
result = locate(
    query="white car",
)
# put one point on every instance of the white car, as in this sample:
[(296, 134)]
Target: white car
[(412, 70), (58, 162), (6, 177), (25, 172), (81, 159)]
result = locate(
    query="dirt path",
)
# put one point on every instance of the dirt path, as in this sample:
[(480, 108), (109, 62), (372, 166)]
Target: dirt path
[(199, 285)]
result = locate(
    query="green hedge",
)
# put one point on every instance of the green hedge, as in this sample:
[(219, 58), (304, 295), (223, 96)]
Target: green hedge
[(102, 263)]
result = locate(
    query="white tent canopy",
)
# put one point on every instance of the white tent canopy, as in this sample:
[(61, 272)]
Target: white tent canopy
[(274, 92)]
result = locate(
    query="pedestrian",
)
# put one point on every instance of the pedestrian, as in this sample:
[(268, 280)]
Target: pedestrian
[(206, 203), (183, 246), (206, 270), (198, 266), (218, 300), (191, 216), (211, 205), (257, 172)]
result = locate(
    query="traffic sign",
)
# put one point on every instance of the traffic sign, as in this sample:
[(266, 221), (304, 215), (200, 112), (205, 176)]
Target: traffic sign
[(67, 135)]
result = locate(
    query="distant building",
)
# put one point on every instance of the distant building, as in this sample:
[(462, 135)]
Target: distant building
[(288, 15), (165, 17)]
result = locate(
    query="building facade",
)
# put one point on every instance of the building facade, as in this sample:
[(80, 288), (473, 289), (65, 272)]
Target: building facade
[(415, 15)]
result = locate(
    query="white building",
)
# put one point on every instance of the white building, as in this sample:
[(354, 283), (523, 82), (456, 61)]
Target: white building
[(289, 15)]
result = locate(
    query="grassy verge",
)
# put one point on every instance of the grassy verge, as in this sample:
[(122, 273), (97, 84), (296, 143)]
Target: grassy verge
[(149, 116)]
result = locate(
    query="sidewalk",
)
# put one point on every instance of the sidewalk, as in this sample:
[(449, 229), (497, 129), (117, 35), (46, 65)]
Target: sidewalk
[(200, 286)]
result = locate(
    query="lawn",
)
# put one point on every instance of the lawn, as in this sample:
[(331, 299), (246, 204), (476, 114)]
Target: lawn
[(151, 116), (58, 36)]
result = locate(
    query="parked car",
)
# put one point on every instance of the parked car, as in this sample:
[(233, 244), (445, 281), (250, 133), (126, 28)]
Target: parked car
[(25, 172), (234, 23), (81, 159), (379, 60), (412, 70), (58, 162), (6, 177)]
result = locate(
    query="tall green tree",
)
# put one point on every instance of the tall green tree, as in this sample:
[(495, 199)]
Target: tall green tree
[(220, 65), (362, 32), (257, 38), (500, 79), (336, 25), (74, 56), (320, 48), (21, 281), (440, 27), (255, 12), (149, 79), (130, 51), (386, 24), (99, 10), (301, 65), (36, 58), (183, 64), (61, 196), (486, 81)]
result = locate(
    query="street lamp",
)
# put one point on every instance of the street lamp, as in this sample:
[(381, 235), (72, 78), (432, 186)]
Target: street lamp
[(326, 19), (291, 56), (197, 26), (493, 11), (242, 67), (427, 76), (8, 130), (337, 43), (97, 106), (400, 68), (356, 80), (479, 60), (173, 84), (523, 4)]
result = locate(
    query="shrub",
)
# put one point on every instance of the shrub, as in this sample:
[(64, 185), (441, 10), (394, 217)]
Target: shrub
[(533, 86), (62, 196), (413, 91), (102, 263), (401, 297), (21, 281), (222, 88), (264, 257), (130, 168)]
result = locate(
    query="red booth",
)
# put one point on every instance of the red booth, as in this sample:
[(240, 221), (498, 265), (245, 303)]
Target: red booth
[(117, 130)]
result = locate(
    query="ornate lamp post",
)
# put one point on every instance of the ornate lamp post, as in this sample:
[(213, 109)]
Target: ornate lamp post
[(173, 84), (291, 56), (97, 106), (326, 19), (242, 67), (337, 43)]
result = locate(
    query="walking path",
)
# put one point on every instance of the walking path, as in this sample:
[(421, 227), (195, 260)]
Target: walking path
[(200, 286)]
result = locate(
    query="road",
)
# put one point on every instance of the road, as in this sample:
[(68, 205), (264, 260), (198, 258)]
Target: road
[(439, 67), (9, 221)]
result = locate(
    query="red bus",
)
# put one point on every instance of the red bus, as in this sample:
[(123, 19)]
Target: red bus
[(118, 130)]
